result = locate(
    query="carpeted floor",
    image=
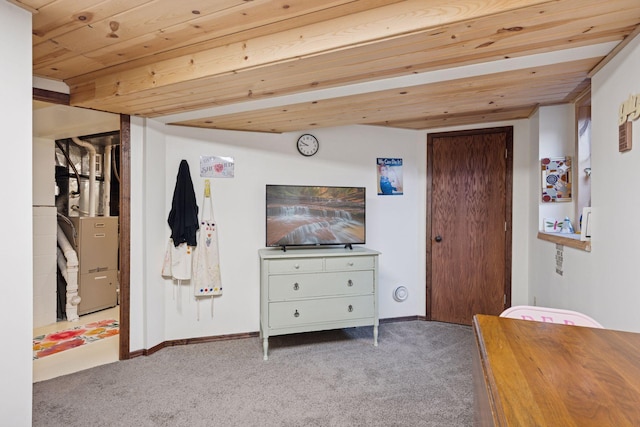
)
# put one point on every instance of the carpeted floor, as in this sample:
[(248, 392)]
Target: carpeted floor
[(420, 375)]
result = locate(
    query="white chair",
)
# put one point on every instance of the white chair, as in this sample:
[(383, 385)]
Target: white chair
[(550, 315)]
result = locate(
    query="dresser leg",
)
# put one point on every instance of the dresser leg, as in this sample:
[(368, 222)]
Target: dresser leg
[(375, 335), (265, 348)]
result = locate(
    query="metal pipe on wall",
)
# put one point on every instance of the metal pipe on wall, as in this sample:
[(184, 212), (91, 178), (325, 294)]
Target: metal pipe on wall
[(92, 172), (107, 180)]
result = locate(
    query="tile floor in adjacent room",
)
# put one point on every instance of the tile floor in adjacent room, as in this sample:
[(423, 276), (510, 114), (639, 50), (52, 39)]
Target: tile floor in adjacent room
[(80, 358)]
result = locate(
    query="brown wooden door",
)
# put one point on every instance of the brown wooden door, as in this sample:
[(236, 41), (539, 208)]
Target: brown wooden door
[(469, 186)]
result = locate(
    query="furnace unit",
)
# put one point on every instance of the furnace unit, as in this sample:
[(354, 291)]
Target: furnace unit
[(95, 239)]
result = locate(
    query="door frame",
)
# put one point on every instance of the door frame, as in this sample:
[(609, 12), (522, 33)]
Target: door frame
[(508, 130), (124, 216)]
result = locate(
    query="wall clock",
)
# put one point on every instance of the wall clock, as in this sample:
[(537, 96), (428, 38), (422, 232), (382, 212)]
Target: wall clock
[(308, 145)]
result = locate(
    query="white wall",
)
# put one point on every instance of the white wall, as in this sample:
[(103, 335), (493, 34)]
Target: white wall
[(16, 255), (603, 283), (557, 138), (44, 233), (137, 279), (347, 156), (396, 225)]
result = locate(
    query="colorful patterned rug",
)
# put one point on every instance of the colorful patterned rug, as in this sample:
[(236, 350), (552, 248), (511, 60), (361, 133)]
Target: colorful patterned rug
[(55, 342)]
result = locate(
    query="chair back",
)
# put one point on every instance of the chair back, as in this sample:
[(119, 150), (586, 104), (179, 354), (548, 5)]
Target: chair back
[(551, 315)]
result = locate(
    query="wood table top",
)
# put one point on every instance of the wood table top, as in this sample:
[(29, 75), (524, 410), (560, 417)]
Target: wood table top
[(545, 374)]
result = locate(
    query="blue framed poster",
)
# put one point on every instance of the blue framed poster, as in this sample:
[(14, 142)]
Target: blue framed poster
[(389, 176)]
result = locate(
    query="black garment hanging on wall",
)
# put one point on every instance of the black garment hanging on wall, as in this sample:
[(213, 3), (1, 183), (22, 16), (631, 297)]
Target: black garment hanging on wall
[(183, 217)]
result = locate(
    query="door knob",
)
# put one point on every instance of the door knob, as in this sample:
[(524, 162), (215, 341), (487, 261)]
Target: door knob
[(438, 238)]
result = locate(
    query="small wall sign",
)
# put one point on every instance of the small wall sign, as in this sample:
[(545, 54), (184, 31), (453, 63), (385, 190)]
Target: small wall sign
[(629, 111), (216, 167), (624, 137), (559, 259)]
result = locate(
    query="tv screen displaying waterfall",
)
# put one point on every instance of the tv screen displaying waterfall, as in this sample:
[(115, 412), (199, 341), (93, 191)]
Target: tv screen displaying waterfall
[(312, 216)]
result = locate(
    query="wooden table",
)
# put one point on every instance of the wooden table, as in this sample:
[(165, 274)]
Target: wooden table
[(542, 374)]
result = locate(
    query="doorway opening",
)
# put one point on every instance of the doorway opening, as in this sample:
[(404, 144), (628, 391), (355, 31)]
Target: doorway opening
[(116, 304)]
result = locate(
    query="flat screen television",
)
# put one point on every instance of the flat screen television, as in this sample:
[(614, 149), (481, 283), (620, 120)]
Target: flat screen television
[(299, 215)]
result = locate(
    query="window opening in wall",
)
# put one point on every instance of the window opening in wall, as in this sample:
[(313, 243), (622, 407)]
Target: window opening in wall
[(582, 179), (581, 176)]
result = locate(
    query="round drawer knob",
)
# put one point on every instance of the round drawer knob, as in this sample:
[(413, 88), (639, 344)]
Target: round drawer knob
[(350, 282), (296, 266), (350, 263), (296, 286), (296, 314), (350, 308)]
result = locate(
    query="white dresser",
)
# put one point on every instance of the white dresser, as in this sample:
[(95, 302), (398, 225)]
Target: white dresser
[(304, 290)]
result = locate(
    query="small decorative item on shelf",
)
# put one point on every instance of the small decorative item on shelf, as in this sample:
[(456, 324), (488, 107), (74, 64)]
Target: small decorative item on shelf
[(552, 225), (567, 227)]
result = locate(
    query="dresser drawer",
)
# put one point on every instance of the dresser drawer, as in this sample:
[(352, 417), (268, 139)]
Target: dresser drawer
[(295, 265), (292, 313), (295, 286), (350, 263)]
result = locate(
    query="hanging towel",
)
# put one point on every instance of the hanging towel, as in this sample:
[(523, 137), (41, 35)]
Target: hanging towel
[(183, 217), (206, 268)]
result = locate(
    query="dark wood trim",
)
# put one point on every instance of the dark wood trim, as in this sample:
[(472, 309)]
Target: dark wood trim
[(136, 353), (125, 235), (508, 235), (50, 96), (401, 319), (508, 130), (429, 224), (200, 340)]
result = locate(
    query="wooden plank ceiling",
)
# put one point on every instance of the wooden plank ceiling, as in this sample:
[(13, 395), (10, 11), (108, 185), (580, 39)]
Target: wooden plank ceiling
[(291, 65)]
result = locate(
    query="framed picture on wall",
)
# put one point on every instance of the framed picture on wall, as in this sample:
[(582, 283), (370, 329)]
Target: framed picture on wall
[(556, 179), (389, 176)]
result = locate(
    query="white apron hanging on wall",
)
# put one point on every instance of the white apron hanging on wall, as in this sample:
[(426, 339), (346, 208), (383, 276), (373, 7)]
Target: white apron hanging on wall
[(206, 264), (177, 261)]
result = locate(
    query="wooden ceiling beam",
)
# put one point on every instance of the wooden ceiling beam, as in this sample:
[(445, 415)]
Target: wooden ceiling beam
[(458, 97), (404, 55), (194, 26), (476, 117), (158, 57), (357, 29)]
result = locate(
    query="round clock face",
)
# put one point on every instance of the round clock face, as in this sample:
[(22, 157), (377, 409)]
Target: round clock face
[(308, 145)]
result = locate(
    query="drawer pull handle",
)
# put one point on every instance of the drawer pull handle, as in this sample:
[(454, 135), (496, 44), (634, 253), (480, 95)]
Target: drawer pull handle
[(350, 308), (296, 286), (296, 314), (350, 282)]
